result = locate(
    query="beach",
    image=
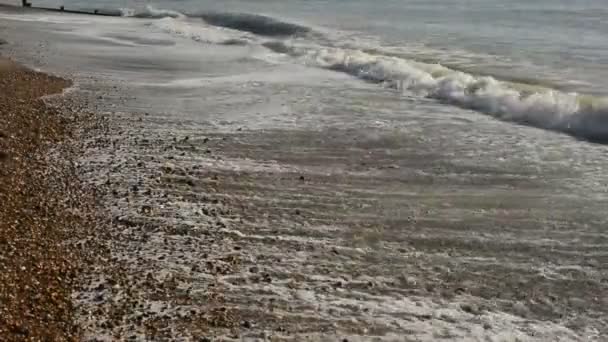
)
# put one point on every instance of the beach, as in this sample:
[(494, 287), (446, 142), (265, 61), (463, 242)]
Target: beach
[(219, 191), (38, 265)]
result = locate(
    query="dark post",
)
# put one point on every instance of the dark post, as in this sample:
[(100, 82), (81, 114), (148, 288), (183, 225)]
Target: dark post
[(25, 3)]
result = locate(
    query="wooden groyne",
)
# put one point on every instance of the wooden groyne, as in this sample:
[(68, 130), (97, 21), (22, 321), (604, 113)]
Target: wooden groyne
[(28, 5)]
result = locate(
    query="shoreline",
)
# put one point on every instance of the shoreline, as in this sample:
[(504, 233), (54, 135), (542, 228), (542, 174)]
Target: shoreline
[(321, 232)]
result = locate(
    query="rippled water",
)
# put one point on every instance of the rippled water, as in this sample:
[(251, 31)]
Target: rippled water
[(560, 42)]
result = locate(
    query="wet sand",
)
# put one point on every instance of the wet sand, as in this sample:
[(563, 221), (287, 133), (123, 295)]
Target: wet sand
[(357, 234), (325, 236)]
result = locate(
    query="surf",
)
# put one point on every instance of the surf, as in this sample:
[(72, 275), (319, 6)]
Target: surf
[(529, 103), (535, 104), (151, 12), (582, 116), (255, 23)]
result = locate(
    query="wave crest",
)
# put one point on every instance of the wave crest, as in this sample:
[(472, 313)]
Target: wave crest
[(199, 33), (258, 24), (151, 12), (584, 117)]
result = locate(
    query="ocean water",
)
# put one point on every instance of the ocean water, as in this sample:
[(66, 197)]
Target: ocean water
[(540, 63), (451, 142)]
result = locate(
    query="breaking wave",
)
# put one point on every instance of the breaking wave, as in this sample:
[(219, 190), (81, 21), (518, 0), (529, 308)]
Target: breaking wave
[(199, 33), (252, 23), (258, 24), (542, 106), (151, 12), (585, 117)]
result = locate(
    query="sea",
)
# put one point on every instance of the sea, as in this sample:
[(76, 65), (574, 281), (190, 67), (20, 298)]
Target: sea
[(541, 63), (452, 141)]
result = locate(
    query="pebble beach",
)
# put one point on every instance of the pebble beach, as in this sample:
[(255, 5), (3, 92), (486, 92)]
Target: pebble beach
[(166, 188)]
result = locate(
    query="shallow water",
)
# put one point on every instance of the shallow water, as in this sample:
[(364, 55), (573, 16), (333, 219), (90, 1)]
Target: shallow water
[(540, 64), (548, 41)]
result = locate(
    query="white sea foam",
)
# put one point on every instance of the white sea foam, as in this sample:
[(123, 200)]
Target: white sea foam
[(581, 116), (199, 32), (150, 12), (127, 12), (153, 12)]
